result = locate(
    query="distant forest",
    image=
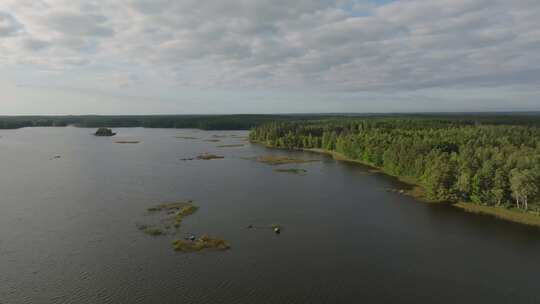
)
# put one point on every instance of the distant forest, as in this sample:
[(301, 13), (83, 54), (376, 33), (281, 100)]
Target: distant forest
[(205, 122), (489, 160), (245, 121)]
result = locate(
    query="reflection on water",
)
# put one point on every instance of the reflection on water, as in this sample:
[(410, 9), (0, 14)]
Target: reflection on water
[(68, 228)]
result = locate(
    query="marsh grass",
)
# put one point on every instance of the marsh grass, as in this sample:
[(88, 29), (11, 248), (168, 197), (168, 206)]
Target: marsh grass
[(208, 156), (185, 211), (204, 242), (179, 210), (512, 214), (171, 206)]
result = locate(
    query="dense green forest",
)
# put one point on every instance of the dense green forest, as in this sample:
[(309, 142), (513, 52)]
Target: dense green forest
[(493, 161)]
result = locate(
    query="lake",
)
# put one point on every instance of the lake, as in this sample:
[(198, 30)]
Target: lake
[(68, 228)]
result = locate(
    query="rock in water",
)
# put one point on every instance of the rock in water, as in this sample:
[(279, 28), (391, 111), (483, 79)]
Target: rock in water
[(104, 132)]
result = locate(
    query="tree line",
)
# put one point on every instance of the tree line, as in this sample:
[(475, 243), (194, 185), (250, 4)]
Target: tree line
[(492, 162), (204, 122), (247, 121)]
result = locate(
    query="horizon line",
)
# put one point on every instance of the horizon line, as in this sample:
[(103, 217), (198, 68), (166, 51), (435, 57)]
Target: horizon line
[(530, 112)]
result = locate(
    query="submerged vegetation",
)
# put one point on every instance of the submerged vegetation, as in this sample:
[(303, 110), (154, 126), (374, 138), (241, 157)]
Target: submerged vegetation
[(275, 160), (493, 164), (171, 206), (151, 230), (186, 137), (231, 146), (291, 170)]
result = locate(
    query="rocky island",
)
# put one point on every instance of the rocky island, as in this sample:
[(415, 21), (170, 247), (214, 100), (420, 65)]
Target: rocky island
[(104, 132)]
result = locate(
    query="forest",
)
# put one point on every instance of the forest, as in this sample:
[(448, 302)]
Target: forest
[(484, 160), (242, 121), (205, 122)]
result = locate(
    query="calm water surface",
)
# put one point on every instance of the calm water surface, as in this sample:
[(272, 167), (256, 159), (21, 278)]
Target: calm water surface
[(68, 229)]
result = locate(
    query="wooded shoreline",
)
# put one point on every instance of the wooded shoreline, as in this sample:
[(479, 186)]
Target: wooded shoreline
[(418, 192)]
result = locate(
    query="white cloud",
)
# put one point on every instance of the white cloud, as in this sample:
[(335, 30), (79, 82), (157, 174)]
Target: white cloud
[(341, 45)]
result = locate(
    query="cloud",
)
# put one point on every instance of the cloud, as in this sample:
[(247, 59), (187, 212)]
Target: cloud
[(340, 45), (33, 44), (78, 24), (9, 26)]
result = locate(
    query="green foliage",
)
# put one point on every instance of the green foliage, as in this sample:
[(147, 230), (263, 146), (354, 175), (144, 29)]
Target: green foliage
[(524, 185), (440, 176), (487, 160), (104, 132)]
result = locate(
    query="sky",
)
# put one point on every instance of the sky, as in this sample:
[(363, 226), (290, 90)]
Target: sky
[(261, 56)]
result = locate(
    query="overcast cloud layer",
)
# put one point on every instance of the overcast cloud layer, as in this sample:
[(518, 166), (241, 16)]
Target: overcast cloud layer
[(192, 56)]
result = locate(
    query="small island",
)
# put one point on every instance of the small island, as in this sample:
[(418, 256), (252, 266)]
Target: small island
[(209, 156), (204, 242), (104, 132), (169, 225)]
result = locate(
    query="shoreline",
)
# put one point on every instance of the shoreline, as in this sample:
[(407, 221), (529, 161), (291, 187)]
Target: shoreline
[(416, 191)]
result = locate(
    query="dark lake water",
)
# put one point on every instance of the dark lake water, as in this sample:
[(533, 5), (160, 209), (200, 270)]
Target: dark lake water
[(68, 228)]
